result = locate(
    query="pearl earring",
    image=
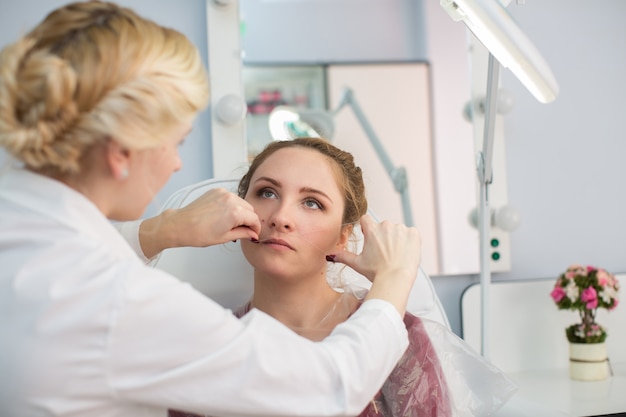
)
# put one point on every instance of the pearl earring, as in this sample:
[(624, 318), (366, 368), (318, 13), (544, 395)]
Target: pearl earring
[(124, 173)]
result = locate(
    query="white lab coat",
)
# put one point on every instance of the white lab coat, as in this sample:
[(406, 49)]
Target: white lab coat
[(87, 329)]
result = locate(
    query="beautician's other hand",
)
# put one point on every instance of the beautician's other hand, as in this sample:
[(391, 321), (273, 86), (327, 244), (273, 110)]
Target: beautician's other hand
[(218, 216), (390, 258)]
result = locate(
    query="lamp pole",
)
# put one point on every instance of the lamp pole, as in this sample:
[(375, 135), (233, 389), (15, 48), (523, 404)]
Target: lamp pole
[(484, 170)]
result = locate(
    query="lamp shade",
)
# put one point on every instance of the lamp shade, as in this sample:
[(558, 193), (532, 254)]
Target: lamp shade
[(490, 22)]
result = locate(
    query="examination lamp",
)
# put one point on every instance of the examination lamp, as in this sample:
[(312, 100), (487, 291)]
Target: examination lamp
[(490, 22), (287, 123), (508, 46)]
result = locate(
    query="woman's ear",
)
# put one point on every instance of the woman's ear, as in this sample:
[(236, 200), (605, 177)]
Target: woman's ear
[(118, 159), (346, 231)]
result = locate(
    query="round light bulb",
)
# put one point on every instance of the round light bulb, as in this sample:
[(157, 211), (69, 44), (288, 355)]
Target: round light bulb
[(505, 103), (506, 218), (472, 217), (230, 109)]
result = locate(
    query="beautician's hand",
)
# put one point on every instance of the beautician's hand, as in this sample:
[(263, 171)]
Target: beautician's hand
[(390, 258), (218, 216)]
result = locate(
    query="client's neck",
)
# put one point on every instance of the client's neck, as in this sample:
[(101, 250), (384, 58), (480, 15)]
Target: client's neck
[(310, 308)]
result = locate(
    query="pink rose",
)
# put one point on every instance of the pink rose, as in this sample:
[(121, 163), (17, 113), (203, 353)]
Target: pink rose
[(603, 277), (576, 269), (557, 294), (615, 303), (590, 297)]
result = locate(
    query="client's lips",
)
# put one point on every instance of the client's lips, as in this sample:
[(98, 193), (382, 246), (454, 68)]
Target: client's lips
[(276, 242)]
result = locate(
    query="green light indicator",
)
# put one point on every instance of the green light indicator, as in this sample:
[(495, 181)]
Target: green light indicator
[(495, 256), (495, 243)]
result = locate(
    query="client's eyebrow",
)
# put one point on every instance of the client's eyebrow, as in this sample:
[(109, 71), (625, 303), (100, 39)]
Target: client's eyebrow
[(315, 191), (268, 179)]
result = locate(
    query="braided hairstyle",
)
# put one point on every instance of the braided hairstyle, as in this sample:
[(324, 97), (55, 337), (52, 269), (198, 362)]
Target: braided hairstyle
[(91, 72)]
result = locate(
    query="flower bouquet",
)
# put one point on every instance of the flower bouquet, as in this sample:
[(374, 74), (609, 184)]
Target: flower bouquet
[(585, 289)]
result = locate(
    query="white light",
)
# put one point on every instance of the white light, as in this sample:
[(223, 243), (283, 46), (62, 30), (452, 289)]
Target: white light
[(287, 123), (230, 109), (506, 218), (493, 26), (279, 117), (505, 101), (504, 105)]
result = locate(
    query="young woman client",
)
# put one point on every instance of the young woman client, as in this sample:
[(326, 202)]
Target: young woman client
[(309, 196)]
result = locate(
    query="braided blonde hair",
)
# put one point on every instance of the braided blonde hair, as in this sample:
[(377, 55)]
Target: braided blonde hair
[(90, 72)]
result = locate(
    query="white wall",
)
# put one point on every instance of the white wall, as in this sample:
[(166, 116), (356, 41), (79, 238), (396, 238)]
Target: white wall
[(566, 159), (305, 31), (18, 17)]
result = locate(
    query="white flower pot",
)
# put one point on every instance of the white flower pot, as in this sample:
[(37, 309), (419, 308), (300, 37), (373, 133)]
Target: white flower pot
[(588, 361)]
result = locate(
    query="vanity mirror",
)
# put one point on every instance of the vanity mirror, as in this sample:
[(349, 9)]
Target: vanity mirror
[(412, 83)]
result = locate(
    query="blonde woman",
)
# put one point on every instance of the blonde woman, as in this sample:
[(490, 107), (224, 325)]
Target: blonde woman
[(94, 102)]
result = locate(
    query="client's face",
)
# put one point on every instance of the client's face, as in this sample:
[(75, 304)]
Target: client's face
[(296, 195)]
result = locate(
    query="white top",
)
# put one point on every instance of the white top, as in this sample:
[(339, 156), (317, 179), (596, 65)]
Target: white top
[(87, 329)]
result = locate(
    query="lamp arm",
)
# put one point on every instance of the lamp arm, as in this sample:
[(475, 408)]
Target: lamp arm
[(398, 175), (491, 104)]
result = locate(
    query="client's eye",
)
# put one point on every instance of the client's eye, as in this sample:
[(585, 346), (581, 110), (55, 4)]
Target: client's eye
[(313, 204), (266, 193)]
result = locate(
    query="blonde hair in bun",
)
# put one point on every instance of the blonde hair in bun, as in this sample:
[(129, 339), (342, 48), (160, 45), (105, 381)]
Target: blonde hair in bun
[(90, 72)]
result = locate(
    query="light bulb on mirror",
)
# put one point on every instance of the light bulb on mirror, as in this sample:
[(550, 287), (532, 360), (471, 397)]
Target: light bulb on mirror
[(506, 218), (230, 109), (504, 105)]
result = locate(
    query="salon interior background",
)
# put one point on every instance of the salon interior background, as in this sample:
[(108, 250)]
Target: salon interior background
[(565, 161)]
